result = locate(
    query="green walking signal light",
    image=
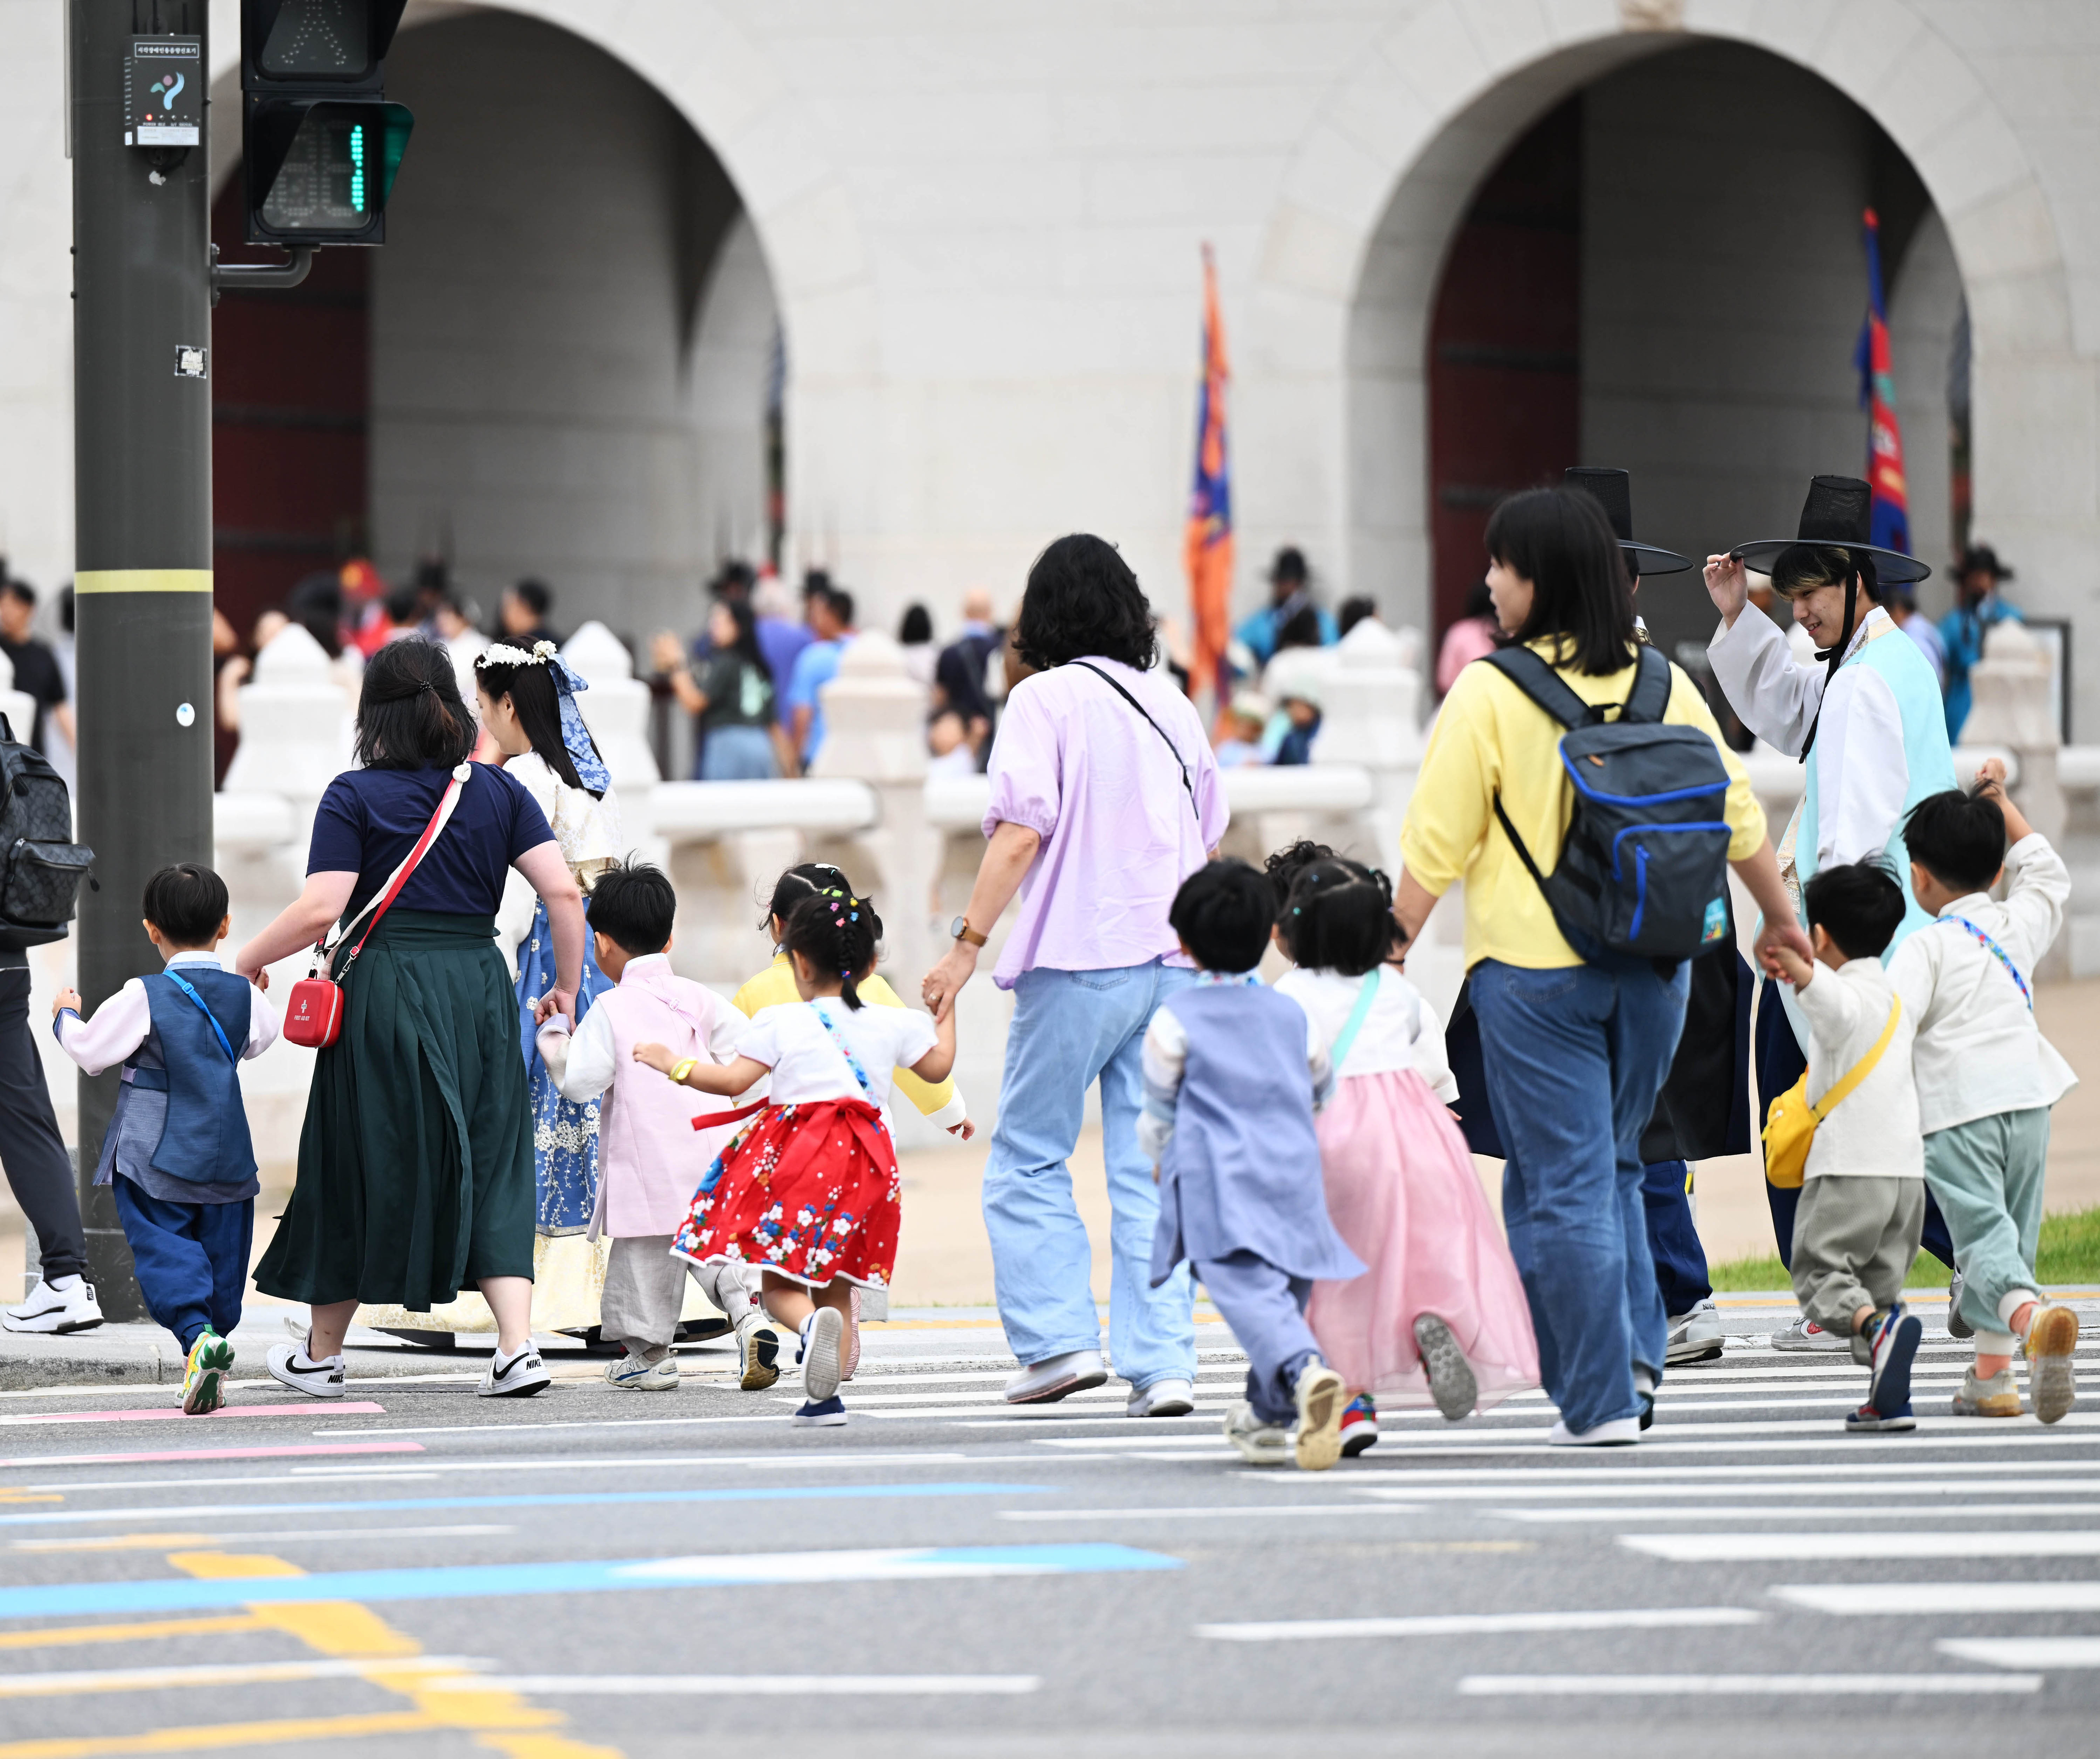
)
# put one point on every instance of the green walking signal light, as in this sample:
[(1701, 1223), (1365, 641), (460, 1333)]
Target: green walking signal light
[(321, 143)]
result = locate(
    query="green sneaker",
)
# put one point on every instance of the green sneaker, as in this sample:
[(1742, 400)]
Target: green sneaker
[(210, 1361)]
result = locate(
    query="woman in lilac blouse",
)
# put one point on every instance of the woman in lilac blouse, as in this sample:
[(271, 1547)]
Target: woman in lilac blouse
[(1104, 799)]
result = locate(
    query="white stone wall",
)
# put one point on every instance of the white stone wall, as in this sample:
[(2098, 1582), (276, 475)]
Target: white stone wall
[(981, 224)]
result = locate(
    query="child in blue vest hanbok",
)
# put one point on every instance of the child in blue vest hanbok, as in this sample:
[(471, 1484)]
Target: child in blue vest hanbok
[(177, 1154), (1233, 1072)]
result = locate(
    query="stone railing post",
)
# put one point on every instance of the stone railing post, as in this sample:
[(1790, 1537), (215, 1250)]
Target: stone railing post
[(1373, 717), (2014, 706), (875, 732), (295, 727), (615, 709)]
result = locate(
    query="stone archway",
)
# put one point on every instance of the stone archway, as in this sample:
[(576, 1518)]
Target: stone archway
[(1369, 205)]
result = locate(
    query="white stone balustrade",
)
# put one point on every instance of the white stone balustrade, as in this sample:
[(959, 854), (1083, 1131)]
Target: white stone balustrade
[(615, 709), (296, 727)]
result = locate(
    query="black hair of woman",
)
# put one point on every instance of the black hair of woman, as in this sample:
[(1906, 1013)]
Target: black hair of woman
[(532, 694), (837, 931), (805, 880), (745, 646), (410, 715), (1559, 540), (1340, 918), (1082, 601), (916, 630)]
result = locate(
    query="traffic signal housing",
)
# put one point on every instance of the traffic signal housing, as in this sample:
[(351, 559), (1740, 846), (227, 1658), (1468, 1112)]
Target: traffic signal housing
[(320, 143)]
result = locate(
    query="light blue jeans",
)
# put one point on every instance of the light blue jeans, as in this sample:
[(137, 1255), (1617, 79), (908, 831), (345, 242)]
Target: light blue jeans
[(1070, 1029)]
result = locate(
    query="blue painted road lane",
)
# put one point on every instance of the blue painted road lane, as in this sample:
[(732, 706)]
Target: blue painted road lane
[(744, 1570)]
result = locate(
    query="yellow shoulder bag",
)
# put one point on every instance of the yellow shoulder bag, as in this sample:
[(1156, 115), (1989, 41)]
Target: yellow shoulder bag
[(1790, 1125)]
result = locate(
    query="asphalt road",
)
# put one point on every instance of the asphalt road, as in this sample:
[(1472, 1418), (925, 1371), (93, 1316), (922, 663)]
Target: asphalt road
[(422, 1572)]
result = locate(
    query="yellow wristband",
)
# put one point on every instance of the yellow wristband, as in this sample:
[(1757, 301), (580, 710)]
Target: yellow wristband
[(680, 1071)]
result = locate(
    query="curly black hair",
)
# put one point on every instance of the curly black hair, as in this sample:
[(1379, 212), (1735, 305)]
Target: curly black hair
[(1286, 864), (410, 715), (1340, 918), (836, 931), (1082, 601)]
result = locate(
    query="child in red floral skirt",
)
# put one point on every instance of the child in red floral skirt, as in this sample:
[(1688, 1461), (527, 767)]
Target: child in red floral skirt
[(808, 1191)]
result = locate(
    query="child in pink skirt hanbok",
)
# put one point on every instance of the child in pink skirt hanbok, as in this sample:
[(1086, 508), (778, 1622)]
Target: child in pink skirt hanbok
[(808, 1191), (1441, 1318)]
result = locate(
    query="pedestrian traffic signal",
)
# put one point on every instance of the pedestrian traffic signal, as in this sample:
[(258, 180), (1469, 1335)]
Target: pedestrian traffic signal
[(319, 143)]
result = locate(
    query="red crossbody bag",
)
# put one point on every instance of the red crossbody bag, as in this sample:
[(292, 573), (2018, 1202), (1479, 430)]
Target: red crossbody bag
[(313, 1016)]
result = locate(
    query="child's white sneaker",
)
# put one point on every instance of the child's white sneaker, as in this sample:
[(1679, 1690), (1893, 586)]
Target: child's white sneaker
[(822, 1333), (74, 1308), (1997, 1397), (518, 1376), (2052, 1382), (1805, 1334), (758, 1349), (1258, 1444), (1321, 1399), (291, 1365), (637, 1376)]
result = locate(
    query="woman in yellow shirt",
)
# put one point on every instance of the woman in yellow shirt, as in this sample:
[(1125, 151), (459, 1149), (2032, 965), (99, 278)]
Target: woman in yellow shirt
[(1574, 1050), (775, 986)]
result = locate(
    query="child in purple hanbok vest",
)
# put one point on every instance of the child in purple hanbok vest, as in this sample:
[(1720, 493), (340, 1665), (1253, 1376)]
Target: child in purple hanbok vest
[(1233, 1072), (1441, 1317), (652, 1148)]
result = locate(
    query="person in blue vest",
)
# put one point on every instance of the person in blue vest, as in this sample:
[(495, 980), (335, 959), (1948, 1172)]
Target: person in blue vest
[(177, 1155), (1978, 576), (1869, 730)]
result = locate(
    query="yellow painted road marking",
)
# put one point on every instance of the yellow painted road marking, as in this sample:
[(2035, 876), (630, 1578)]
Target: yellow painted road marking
[(499, 1720), (183, 1740), (67, 1634)]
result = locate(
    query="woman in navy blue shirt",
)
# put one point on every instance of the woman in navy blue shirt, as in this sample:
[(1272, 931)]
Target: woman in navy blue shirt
[(416, 1163)]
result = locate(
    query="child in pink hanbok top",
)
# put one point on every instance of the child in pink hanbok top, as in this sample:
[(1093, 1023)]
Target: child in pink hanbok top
[(1441, 1318), (654, 1140)]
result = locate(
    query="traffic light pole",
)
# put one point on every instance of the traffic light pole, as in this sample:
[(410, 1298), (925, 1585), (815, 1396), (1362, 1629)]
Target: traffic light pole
[(142, 505)]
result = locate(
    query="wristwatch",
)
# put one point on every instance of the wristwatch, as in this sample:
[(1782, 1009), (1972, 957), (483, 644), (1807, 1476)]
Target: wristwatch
[(961, 930)]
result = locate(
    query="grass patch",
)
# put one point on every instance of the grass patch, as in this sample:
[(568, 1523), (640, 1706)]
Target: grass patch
[(2070, 1253)]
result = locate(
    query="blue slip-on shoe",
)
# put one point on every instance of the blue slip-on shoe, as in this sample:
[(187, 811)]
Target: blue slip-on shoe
[(821, 1413), (1895, 1349)]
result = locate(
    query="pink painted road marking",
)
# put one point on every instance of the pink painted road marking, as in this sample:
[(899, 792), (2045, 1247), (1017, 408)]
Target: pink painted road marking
[(210, 1453), (173, 1413)]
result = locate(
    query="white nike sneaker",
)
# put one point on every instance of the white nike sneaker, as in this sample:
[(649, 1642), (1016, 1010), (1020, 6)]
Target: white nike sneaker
[(1618, 1432), (518, 1376), (290, 1364), (55, 1309), (758, 1352), (1695, 1335)]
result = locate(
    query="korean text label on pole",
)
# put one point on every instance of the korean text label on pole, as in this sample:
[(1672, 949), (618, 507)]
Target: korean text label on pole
[(142, 473)]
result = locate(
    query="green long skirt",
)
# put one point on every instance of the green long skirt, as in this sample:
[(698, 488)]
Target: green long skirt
[(416, 1163)]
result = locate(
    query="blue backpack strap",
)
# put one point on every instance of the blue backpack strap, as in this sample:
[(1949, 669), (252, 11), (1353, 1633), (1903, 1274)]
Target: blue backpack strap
[(1649, 699), (1545, 686), (218, 1032), (1999, 954), (838, 1040)]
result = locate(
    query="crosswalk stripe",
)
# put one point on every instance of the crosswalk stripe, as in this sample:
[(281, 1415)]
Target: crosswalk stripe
[(1752, 1685), (81, 1682), (1919, 1599), (2024, 1651), (1483, 1623), (1908, 1511), (751, 1685), (1767, 1548)]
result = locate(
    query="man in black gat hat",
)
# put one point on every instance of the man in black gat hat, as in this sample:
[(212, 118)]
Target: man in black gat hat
[(1704, 1107), (1868, 729)]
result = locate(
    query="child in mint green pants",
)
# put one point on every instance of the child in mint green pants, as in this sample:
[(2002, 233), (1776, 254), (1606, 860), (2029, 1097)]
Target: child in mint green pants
[(1987, 1079)]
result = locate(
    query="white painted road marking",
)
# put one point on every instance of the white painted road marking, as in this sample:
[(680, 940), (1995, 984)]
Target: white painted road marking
[(83, 1681), (1768, 1548), (1850, 1599), (1483, 1624), (751, 1685), (2024, 1651), (1727, 1685)]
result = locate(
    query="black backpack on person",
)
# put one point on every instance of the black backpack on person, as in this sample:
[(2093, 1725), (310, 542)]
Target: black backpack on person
[(1644, 869), (41, 866)]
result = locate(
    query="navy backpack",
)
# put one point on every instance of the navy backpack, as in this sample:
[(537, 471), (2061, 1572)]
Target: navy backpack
[(1644, 869)]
